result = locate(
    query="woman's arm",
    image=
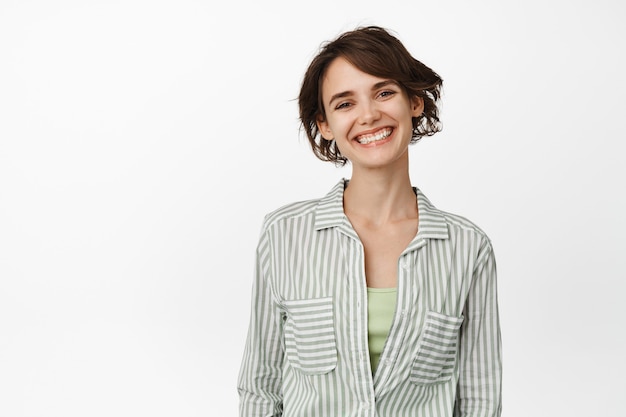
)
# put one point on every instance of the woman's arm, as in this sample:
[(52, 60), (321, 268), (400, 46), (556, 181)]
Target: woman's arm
[(480, 379), (260, 377)]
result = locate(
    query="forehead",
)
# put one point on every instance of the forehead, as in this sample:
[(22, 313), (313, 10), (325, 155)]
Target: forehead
[(341, 76)]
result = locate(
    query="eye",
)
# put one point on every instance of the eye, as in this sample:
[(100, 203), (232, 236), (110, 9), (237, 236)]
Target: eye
[(343, 105), (386, 93)]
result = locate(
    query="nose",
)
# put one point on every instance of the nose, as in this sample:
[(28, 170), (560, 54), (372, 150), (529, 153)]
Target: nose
[(369, 112)]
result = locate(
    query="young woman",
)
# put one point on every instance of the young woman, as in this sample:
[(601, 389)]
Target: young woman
[(370, 301)]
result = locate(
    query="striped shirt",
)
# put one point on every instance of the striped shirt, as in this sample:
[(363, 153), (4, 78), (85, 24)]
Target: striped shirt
[(307, 353)]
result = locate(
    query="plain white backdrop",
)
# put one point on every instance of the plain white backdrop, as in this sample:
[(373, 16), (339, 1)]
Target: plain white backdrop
[(141, 143)]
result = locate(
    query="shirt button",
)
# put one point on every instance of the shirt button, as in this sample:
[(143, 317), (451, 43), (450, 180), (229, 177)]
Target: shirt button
[(403, 313), (365, 405), (405, 265), (388, 362)]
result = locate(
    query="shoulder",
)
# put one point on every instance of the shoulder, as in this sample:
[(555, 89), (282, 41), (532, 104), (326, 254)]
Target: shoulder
[(460, 223), (305, 212), (291, 211), (447, 224), (468, 234)]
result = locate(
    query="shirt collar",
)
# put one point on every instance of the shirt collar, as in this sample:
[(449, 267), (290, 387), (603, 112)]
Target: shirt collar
[(329, 213)]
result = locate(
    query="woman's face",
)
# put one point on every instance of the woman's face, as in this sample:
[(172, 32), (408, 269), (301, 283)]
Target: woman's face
[(370, 118)]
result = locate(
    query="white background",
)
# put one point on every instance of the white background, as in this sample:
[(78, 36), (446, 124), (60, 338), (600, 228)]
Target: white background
[(141, 143)]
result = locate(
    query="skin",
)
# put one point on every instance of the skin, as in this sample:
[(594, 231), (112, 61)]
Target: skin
[(379, 201)]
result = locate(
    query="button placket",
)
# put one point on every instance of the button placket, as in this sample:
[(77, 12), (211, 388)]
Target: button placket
[(358, 331)]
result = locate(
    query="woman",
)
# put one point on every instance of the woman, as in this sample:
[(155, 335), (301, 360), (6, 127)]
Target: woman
[(370, 301)]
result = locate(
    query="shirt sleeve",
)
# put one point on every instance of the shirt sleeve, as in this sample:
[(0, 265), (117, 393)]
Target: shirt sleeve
[(480, 362), (260, 376)]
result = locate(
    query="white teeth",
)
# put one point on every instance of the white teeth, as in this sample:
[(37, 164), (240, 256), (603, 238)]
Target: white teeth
[(374, 138)]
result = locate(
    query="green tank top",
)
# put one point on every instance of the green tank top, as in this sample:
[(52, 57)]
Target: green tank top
[(381, 305)]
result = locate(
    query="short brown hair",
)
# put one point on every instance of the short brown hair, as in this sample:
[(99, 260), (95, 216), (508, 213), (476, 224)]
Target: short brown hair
[(374, 51)]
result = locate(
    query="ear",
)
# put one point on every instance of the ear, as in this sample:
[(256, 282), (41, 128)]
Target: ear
[(324, 128), (417, 106)]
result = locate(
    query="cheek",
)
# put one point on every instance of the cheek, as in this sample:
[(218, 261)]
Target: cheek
[(343, 123), (408, 116)]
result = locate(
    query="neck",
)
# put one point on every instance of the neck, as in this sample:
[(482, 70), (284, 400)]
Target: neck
[(380, 196)]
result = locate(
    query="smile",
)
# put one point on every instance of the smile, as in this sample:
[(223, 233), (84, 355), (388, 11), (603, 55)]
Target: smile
[(369, 138)]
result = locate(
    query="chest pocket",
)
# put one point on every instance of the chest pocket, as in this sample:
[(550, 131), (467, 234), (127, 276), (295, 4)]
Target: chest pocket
[(437, 351), (310, 344)]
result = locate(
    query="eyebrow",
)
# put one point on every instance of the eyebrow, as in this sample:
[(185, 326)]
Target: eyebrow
[(348, 93)]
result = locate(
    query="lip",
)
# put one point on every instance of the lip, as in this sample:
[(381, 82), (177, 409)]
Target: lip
[(374, 132)]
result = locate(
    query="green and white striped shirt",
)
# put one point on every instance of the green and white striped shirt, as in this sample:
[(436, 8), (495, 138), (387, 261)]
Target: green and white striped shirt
[(307, 354)]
